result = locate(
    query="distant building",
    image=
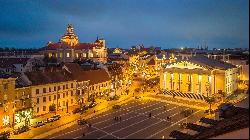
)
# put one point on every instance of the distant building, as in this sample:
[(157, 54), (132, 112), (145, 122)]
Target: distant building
[(69, 48)]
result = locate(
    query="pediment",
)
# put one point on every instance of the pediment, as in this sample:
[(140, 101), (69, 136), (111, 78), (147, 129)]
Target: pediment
[(185, 65)]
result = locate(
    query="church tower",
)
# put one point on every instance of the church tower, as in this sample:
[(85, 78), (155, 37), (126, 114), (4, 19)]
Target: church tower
[(70, 38)]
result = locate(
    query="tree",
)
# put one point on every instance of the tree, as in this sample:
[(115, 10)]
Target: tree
[(210, 101), (52, 108)]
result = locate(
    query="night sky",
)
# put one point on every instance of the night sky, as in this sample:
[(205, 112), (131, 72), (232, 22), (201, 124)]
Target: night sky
[(123, 23)]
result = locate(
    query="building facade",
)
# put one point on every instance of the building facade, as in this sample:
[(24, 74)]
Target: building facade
[(7, 105), (69, 48), (199, 75)]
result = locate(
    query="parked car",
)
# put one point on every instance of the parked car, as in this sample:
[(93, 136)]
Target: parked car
[(91, 105), (5, 135), (39, 123), (137, 97), (82, 122), (116, 107), (54, 118), (21, 130), (77, 110)]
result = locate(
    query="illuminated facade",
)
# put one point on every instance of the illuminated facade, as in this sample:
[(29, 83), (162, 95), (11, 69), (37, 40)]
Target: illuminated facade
[(7, 107), (199, 75), (69, 48)]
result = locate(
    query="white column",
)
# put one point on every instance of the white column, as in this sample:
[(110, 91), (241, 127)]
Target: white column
[(165, 80)]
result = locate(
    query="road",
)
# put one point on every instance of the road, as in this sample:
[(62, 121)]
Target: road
[(135, 122)]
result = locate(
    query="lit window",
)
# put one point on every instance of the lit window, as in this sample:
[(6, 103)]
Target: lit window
[(67, 54)]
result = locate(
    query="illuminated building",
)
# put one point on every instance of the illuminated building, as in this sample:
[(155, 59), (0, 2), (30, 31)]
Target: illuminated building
[(50, 87), (199, 75), (7, 107), (69, 48), (117, 51)]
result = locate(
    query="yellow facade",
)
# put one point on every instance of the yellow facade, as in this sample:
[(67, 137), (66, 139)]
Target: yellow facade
[(188, 77), (60, 94), (7, 96)]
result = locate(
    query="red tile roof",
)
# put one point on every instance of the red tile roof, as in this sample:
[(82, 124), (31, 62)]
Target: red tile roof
[(40, 78), (53, 46), (95, 76), (85, 45)]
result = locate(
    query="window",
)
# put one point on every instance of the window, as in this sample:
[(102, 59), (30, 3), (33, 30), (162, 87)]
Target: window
[(49, 89), (37, 91), (37, 100), (44, 90), (63, 87), (66, 86), (44, 108), (71, 93), (63, 103), (37, 109), (63, 95), (58, 88), (67, 54), (54, 88), (71, 101), (67, 94), (5, 86), (44, 99), (49, 98), (71, 85), (58, 96), (54, 97)]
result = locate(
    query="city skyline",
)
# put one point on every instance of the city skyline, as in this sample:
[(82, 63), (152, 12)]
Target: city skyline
[(168, 24)]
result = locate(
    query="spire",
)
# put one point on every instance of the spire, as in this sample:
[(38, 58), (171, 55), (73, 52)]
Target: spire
[(70, 29)]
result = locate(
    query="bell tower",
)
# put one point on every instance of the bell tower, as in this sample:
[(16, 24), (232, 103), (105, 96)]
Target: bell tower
[(70, 38)]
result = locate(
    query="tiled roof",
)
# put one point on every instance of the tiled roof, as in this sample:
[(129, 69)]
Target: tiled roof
[(151, 62), (85, 45), (53, 46), (95, 76), (39, 77), (210, 63)]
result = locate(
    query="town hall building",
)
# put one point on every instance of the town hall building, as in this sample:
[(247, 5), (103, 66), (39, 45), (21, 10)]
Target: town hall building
[(69, 48)]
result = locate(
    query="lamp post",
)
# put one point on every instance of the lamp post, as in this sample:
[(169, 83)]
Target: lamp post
[(13, 124)]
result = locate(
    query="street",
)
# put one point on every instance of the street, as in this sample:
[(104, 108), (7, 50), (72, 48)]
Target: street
[(135, 122)]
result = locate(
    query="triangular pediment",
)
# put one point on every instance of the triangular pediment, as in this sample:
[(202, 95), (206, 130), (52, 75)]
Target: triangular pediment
[(185, 65)]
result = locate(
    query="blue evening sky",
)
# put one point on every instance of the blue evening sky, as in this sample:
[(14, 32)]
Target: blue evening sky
[(164, 23)]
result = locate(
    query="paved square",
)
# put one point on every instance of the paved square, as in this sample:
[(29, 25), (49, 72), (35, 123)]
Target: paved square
[(135, 122)]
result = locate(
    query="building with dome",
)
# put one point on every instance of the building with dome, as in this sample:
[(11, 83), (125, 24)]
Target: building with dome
[(69, 48)]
